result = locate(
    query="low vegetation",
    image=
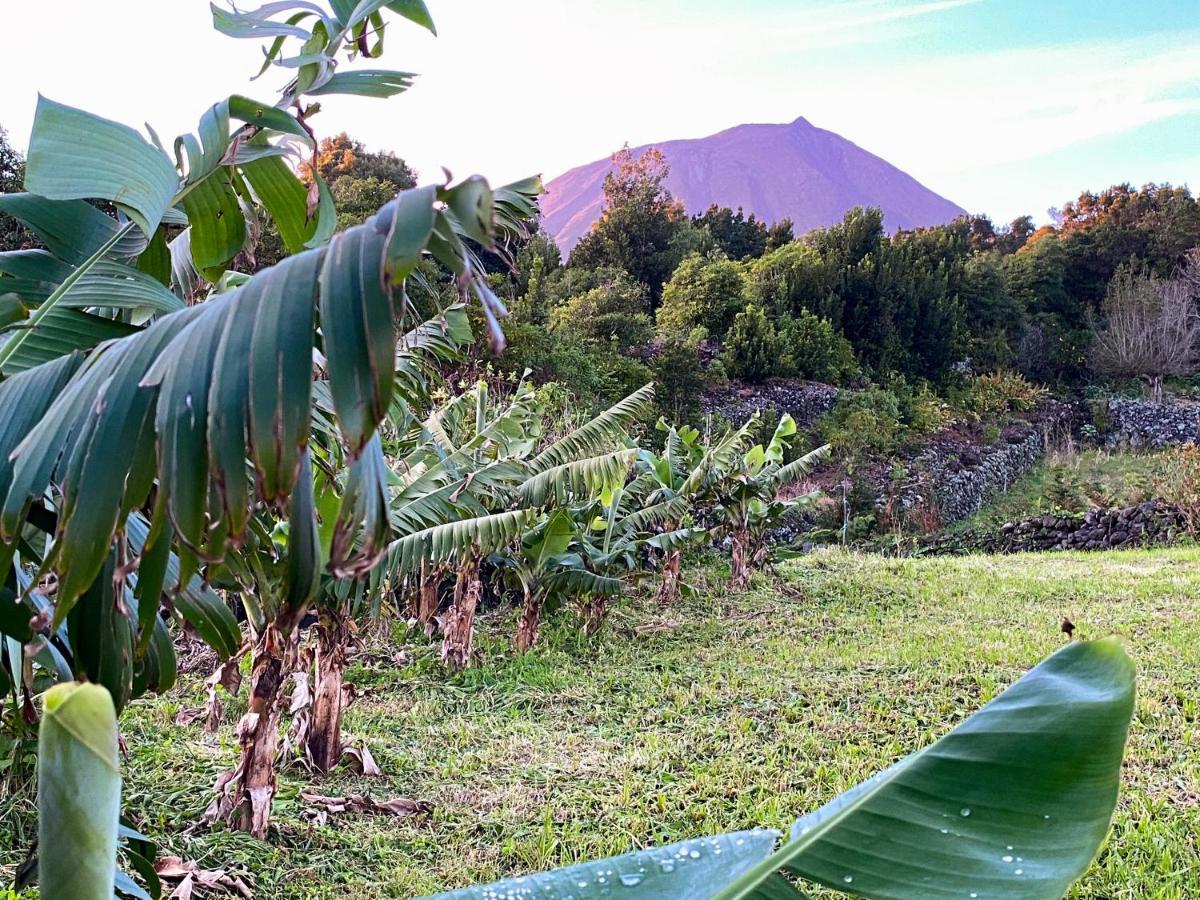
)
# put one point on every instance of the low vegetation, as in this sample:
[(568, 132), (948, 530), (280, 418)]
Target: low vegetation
[(724, 712)]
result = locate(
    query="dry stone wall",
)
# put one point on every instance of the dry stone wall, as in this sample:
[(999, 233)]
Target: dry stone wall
[(1152, 522), (1140, 423)]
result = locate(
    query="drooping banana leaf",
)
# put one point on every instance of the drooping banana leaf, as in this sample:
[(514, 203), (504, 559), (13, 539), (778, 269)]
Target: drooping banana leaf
[(195, 395)]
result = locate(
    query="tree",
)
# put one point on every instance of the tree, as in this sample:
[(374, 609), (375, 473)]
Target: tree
[(357, 199), (540, 252), (701, 299), (1013, 236), (1151, 328), (638, 230), (779, 234), (752, 349), (734, 234), (851, 251), (994, 317), (341, 157), (12, 172)]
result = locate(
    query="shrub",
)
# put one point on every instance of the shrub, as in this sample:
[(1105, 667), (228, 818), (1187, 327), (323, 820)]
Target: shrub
[(549, 357), (1063, 491), (996, 395), (812, 348), (864, 423), (704, 293), (1101, 415), (752, 346), (1179, 484), (619, 375), (613, 311), (678, 381), (921, 409)]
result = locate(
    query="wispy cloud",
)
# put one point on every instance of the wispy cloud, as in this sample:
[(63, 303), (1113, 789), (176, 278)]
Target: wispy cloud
[(1021, 104), (858, 17)]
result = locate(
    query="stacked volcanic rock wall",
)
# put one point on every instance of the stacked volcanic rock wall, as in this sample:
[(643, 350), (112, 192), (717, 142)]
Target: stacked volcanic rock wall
[(960, 480), (960, 489), (1140, 423), (1152, 522), (805, 401)]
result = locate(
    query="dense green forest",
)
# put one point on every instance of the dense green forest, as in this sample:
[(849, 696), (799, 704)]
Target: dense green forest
[(689, 301), (653, 292)]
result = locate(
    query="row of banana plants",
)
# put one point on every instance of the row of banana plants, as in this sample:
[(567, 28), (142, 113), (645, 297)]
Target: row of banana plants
[(173, 430), (478, 503)]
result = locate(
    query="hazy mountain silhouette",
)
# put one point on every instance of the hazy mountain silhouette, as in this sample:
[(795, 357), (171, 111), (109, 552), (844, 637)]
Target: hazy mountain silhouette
[(805, 173)]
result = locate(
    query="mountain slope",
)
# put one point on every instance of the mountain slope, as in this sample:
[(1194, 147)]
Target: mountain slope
[(796, 170)]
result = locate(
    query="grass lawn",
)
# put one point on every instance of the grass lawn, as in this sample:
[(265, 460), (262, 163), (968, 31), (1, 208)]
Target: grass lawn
[(726, 712)]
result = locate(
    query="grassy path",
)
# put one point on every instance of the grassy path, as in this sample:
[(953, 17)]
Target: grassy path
[(727, 712)]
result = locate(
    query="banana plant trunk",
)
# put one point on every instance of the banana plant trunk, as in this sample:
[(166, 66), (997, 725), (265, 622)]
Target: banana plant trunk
[(427, 595), (324, 742), (273, 659), (668, 590), (740, 560), (595, 607), (530, 621), (458, 627)]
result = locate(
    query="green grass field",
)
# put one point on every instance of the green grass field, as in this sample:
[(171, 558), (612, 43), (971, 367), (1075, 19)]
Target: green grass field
[(726, 712)]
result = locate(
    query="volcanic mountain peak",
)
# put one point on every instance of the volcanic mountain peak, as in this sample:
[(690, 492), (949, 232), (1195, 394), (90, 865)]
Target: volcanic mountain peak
[(794, 170)]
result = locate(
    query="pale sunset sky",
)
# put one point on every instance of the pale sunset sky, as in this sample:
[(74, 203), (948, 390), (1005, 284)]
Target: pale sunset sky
[(1004, 106)]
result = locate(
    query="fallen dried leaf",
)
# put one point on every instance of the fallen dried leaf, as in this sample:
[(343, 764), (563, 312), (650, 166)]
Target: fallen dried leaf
[(363, 762), (190, 875), (360, 803), (188, 716)]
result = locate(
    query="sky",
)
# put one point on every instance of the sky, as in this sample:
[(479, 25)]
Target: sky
[(1006, 107)]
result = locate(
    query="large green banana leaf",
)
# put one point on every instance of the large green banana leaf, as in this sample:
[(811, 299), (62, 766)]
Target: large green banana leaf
[(114, 163), (199, 392), (1013, 803), (686, 869)]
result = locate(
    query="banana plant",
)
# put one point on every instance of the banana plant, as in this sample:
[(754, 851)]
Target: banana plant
[(353, 492), (538, 556), (675, 472), (116, 633), (200, 420), (1013, 803), (616, 533), (505, 486), (742, 491)]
